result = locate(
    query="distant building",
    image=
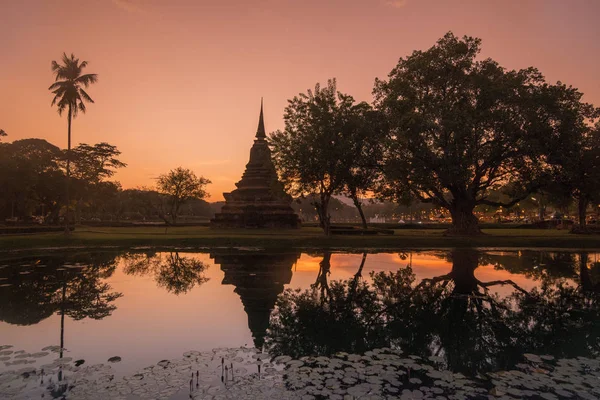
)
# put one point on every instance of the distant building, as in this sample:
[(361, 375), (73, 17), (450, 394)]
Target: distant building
[(259, 200)]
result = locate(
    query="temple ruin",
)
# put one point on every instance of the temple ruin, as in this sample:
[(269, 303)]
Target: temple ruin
[(259, 200)]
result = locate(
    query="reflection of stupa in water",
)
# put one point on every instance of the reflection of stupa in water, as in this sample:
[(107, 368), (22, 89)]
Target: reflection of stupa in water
[(259, 200), (258, 279)]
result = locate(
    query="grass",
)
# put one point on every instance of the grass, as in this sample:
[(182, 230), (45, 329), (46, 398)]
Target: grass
[(307, 237)]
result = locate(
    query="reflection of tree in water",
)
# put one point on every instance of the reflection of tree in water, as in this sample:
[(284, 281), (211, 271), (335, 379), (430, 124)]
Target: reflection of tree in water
[(71, 285), (538, 265), (36, 287), (332, 316), (176, 273), (564, 319), (455, 316)]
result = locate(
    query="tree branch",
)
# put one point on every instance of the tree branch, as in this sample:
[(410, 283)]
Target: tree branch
[(505, 282)]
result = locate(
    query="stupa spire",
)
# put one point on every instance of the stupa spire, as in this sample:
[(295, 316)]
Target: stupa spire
[(260, 132), (260, 200)]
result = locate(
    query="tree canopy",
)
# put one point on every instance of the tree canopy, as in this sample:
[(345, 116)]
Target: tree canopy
[(179, 186), (325, 148), (461, 127)]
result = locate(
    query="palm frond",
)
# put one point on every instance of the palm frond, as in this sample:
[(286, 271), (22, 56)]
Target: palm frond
[(85, 95), (57, 85), (68, 82), (87, 79)]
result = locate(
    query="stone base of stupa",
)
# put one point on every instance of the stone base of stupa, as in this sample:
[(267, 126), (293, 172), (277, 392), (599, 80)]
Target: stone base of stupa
[(257, 215)]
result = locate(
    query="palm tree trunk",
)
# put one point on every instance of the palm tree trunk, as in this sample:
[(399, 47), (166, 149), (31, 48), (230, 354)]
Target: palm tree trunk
[(68, 197), (62, 326)]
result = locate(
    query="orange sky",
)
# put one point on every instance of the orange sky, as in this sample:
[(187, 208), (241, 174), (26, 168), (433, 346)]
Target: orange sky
[(180, 81)]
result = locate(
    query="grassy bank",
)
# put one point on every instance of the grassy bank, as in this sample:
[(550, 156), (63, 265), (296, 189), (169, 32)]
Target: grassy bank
[(198, 237)]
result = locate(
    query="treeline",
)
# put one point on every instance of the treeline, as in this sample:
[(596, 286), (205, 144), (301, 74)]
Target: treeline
[(449, 129), (33, 179)]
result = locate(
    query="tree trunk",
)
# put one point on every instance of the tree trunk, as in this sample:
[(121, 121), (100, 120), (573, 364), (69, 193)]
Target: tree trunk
[(542, 212), (582, 205), (322, 282), (358, 206), (175, 211), (67, 190), (323, 213), (78, 211), (62, 325), (584, 274), (464, 222), (464, 264)]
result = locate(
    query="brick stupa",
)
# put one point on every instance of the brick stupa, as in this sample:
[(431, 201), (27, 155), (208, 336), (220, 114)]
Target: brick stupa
[(259, 200)]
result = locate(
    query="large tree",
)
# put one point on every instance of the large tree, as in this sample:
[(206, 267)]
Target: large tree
[(30, 172), (92, 166), (179, 186), (364, 151), (318, 151), (460, 127), (96, 163), (69, 94), (576, 165)]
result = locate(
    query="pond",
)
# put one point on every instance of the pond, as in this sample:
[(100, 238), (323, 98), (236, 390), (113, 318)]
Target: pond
[(466, 312)]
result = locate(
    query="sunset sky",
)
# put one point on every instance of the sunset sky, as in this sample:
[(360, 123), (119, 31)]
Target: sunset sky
[(180, 81)]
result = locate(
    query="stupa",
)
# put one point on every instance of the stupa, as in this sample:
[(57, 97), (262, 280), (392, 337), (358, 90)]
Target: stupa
[(259, 200), (258, 279)]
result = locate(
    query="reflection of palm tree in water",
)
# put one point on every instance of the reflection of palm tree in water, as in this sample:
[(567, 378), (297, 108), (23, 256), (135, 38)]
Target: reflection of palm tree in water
[(84, 295), (71, 285)]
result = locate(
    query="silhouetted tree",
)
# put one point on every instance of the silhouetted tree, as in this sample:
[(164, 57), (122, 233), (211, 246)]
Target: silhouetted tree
[(459, 128), (2, 134), (181, 185), (30, 178), (92, 165), (320, 146), (364, 155), (69, 94), (96, 163), (576, 166)]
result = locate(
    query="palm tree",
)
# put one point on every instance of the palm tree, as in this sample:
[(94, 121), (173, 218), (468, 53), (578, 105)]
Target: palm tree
[(69, 93)]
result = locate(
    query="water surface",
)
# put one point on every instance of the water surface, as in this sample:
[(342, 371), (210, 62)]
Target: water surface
[(466, 307)]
